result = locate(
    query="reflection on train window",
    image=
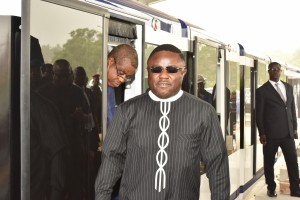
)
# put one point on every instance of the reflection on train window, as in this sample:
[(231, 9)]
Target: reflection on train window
[(207, 60), (76, 40), (247, 108), (262, 74), (233, 137)]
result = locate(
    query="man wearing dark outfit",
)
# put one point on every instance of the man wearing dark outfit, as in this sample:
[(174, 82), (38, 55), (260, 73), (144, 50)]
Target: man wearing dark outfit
[(47, 146), (157, 139), (47, 165), (277, 125), (202, 92), (70, 102), (97, 102)]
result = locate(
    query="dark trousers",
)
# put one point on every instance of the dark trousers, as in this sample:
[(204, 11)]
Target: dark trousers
[(290, 155)]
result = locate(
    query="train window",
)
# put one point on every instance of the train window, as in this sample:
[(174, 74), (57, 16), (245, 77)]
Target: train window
[(262, 74), (76, 36), (247, 107), (68, 33), (207, 65), (233, 136)]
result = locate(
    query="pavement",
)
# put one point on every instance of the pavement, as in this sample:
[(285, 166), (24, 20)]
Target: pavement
[(258, 191)]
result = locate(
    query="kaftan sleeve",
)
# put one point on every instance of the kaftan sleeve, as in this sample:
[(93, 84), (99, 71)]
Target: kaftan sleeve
[(216, 159), (113, 157)]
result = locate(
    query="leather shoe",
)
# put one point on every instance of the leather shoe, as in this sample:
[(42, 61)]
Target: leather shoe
[(296, 193), (272, 193)]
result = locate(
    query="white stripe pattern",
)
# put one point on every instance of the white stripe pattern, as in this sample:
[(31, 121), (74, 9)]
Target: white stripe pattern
[(163, 142)]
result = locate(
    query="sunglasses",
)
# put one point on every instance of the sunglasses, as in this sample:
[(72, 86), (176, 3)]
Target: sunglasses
[(169, 69), (275, 70)]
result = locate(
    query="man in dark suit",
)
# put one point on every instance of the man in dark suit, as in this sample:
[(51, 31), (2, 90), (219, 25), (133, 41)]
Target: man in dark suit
[(277, 125)]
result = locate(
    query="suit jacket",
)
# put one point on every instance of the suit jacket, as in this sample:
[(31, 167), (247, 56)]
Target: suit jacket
[(274, 118)]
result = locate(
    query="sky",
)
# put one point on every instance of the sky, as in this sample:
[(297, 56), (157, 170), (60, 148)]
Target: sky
[(260, 25)]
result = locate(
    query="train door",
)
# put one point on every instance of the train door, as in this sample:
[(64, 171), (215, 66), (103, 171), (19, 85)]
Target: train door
[(208, 76), (121, 31), (262, 76), (293, 78), (77, 32), (247, 104), (126, 32), (233, 86), (253, 74), (246, 144), (208, 83)]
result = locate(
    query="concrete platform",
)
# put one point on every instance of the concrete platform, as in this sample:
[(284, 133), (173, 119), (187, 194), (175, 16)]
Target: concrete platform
[(259, 190)]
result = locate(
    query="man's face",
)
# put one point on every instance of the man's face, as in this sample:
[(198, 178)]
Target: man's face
[(61, 76), (118, 72), (165, 84), (80, 79), (274, 73), (201, 86), (95, 80)]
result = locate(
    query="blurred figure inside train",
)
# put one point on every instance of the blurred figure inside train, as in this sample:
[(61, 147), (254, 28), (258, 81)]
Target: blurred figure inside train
[(202, 92)]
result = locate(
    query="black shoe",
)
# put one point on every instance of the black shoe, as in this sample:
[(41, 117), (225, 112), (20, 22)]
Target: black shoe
[(272, 193), (296, 193)]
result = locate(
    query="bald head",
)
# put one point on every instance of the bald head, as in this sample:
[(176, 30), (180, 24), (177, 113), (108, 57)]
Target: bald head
[(62, 72), (124, 51)]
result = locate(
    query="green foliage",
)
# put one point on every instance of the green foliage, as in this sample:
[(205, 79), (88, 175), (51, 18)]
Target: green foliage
[(84, 48), (48, 52), (207, 64)]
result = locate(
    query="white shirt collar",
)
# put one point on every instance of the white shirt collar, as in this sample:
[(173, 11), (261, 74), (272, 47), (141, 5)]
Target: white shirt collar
[(273, 82), (170, 99)]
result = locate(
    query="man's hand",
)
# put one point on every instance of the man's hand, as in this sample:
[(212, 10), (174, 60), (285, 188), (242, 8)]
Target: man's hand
[(263, 139)]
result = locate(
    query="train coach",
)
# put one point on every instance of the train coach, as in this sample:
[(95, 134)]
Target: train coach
[(83, 32)]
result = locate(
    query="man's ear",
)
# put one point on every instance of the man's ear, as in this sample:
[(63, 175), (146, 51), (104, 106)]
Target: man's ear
[(110, 61)]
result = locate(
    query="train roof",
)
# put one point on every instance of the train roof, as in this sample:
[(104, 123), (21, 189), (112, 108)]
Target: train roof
[(244, 51), (149, 10), (142, 9)]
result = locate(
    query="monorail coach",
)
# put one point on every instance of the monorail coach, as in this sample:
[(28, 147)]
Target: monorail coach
[(232, 73)]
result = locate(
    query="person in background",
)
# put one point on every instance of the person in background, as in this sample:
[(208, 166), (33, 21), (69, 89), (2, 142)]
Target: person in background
[(227, 101), (202, 93), (97, 102), (157, 139), (70, 101), (122, 63), (47, 146), (91, 137), (277, 126), (47, 73)]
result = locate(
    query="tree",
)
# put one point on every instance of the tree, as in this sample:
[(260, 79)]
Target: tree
[(48, 52), (84, 48)]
